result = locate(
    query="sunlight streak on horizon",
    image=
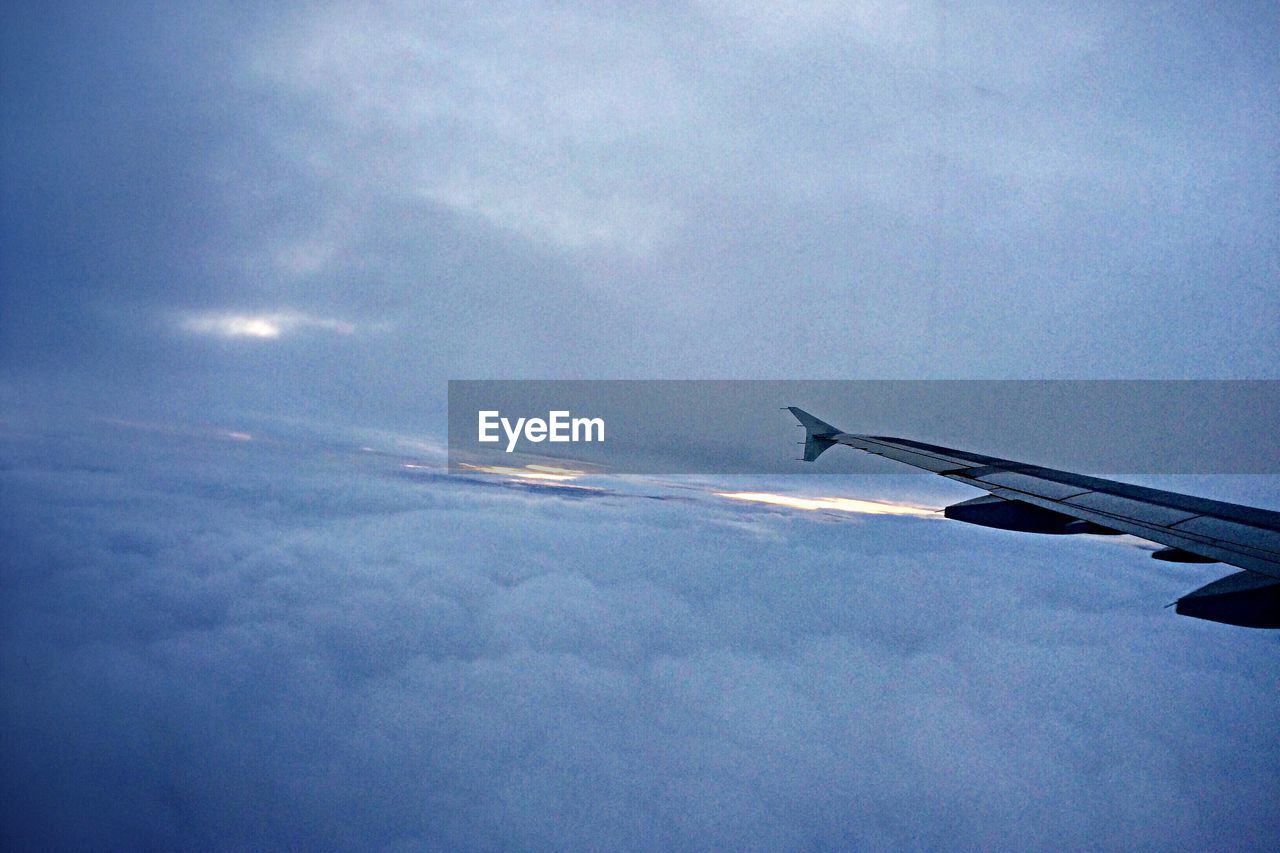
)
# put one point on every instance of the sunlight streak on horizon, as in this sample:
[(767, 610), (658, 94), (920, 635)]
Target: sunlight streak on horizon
[(851, 505), (529, 472)]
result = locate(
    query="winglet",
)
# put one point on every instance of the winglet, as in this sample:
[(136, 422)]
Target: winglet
[(818, 434)]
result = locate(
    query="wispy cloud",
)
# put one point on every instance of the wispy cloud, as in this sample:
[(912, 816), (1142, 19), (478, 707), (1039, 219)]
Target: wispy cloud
[(506, 118)]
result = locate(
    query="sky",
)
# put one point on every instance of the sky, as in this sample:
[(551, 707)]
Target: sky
[(327, 210), (244, 247)]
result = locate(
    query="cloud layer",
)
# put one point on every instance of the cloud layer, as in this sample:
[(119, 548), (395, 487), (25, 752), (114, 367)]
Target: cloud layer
[(227, 644)]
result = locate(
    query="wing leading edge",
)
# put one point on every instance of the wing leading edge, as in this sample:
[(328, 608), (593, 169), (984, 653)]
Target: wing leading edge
[(1043, 500)]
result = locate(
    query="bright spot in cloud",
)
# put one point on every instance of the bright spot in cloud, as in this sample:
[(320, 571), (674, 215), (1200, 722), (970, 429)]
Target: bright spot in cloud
[(836, 504), (529, 472), (262, 326)]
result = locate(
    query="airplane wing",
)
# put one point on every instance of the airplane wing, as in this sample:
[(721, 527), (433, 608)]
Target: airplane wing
[(1042, 500)]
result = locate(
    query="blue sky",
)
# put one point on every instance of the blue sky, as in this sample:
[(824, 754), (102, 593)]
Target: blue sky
[(240, 244)]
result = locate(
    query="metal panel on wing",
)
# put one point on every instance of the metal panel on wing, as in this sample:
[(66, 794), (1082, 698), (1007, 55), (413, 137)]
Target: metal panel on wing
[(1143, 511), (1034, 485), (1232, 531)]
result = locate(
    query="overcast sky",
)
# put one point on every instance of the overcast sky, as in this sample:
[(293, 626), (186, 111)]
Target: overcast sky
[(326, 210), (244, 246)]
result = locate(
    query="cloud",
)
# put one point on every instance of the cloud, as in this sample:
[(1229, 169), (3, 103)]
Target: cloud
[(278, 643), (536, 123), (715, 178), (693, 190)]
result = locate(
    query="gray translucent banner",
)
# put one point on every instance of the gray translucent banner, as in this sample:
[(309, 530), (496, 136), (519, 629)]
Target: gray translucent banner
[(740, 427)]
